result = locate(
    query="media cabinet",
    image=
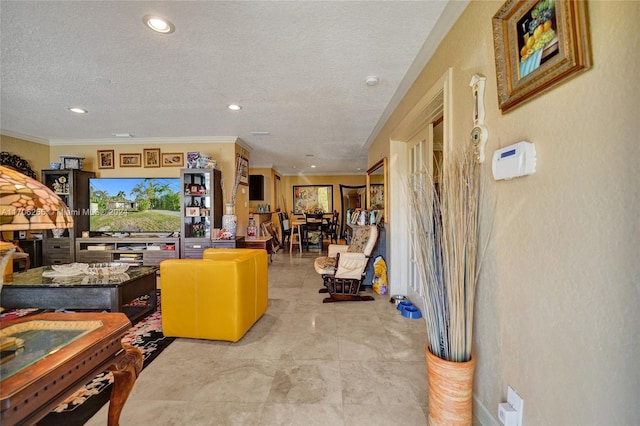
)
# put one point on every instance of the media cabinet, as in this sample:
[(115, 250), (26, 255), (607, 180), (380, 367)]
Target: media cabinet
[(134, 250)]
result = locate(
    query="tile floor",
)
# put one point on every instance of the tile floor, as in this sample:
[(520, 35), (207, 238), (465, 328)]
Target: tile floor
[(302, 363)]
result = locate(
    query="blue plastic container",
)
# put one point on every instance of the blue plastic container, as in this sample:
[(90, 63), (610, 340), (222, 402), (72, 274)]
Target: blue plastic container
[(411, 312), (403, 304)]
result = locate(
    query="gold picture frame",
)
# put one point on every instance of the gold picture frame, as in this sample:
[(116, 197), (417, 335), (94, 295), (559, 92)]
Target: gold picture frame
[(243, 170), (151, 157), (106, 159), (172, 159), (538, 44), (131, 159)]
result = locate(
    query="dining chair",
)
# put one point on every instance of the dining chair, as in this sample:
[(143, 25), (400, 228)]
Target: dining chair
[(330, 228), (313, 228), (285, 228)]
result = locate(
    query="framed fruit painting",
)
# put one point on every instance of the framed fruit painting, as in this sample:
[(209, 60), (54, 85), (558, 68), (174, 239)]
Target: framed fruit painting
[(538, 44)]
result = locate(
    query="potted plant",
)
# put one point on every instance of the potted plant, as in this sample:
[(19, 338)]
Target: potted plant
[(445, 241)]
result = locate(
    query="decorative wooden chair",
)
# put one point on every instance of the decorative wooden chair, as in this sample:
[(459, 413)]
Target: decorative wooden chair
[(312, 234), (285, 228), (343, 270), (330, 228)]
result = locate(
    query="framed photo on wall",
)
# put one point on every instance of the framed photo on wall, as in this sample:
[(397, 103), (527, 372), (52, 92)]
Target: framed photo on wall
[(243, 169), (308, 198), (130, 160), (151, 157), (106, 159), (538, 44), (172, 159)]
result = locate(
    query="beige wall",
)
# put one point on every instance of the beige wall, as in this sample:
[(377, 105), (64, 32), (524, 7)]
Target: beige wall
[(40, 155), (557, 306), (223, 153), (36, 154)]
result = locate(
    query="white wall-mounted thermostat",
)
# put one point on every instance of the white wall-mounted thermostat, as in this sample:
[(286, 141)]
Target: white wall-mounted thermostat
[(514, 160)]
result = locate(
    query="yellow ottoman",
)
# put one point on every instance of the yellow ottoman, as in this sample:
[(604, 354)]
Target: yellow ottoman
[(218, 297)]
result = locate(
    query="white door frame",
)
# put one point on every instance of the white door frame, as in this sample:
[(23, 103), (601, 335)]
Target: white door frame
[(435, 103)]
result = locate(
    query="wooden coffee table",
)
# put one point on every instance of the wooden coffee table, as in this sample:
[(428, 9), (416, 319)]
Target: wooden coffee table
[(29, 289), (62, 352)]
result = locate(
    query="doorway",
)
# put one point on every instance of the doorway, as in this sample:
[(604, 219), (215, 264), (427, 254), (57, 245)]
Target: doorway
[(351, 198), (420, 141), (425, 167)]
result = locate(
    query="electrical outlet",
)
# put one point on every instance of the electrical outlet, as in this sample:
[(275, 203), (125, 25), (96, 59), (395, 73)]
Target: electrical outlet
[(507, 415), (516, 402)]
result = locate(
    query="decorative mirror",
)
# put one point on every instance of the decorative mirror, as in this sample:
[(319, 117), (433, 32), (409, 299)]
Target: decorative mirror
[(351, 197), (377, 188)]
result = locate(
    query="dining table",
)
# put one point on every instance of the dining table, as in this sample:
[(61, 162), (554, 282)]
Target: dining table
[(297, 230)]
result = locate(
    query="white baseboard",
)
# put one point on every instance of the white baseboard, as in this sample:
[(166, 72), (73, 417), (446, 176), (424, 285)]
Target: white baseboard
[(483, 414)]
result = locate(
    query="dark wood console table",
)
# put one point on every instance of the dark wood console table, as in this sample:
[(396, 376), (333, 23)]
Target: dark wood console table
[(62, 352), (265, 243), (237, 242)]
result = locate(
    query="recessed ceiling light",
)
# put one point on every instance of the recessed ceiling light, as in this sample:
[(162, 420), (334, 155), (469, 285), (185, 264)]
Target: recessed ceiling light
[(122, 135), (159, 24), (313, 166), (371, 80), (78, 110), (234, 107)]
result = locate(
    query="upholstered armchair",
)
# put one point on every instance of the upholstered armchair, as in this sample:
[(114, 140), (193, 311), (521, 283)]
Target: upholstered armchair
[(344, 268)]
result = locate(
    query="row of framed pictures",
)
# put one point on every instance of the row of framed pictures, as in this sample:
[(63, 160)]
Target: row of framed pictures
[(151, 157)]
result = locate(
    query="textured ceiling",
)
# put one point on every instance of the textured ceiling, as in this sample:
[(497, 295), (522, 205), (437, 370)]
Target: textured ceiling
[(296, 67)]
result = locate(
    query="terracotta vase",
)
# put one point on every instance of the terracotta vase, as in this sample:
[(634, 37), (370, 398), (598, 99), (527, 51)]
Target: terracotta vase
[(450, 391)]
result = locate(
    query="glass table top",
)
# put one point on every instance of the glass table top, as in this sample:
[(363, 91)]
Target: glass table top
[(36, 340), (33, 277)]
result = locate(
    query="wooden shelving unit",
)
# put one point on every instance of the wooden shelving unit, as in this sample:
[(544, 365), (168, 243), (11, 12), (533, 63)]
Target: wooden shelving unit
[(201, 210), (72, 186), (134, 250)]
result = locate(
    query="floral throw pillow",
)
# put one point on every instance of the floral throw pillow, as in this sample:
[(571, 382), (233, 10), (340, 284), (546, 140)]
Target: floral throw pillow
[(359, 240)]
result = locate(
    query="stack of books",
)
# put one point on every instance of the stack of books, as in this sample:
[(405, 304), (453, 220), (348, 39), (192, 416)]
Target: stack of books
[(135, 258), (96, 247)]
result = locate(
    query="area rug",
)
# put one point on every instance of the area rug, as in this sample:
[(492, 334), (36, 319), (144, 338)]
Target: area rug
[(7, 315), (78, 408)]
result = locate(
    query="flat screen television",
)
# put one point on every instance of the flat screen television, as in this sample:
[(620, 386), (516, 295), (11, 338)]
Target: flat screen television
[(134, 205)]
